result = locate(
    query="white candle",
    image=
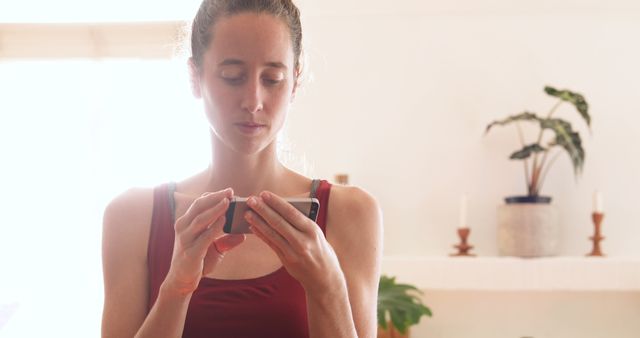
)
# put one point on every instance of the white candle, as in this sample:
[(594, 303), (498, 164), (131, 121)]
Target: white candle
[(463, 212), (597, 202)]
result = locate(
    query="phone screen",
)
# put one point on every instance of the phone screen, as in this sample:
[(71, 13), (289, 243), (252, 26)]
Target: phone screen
[(236, 224)]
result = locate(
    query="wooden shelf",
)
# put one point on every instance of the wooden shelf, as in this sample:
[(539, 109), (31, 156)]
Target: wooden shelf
[(512, 274)]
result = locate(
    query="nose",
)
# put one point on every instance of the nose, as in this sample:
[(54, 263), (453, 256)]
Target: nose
[(252, 97)]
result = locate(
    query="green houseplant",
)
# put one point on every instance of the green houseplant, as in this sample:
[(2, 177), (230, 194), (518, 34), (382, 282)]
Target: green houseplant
[(399, 307), (528, 226), (564, 137)]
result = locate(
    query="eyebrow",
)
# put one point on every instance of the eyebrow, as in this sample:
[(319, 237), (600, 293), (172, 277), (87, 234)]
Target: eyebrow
[(276, 65), (231, 62)]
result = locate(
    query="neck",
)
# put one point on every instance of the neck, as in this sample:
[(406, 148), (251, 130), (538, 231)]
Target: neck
[(245, 174)]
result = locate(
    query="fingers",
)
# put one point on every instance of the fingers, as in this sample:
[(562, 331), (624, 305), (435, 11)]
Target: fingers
[(271, 237), (204, 221), (257, 222), (228, 242), (218, 248), (272, 218), (207, 237), (269, 243), (202, 203), (287, 211)]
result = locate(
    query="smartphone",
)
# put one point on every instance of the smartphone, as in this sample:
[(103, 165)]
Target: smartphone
[(236, 224)]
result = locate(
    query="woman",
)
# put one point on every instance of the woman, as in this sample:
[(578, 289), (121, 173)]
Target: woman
[(170, 271)]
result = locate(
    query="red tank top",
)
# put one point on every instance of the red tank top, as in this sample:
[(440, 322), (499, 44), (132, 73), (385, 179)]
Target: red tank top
[(273, 305)]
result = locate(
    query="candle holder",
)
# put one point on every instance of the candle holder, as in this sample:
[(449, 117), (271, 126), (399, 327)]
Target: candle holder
[(463, 247), (597, 237), (342, 179)]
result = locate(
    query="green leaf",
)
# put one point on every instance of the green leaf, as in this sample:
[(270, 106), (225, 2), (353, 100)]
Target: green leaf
[(526, 151), (567, 139), (386, 282), (576, 99), (526, 116), (382, 320), (402, 302), (399, 320), (400, 288), (426, 311), (415, 314)]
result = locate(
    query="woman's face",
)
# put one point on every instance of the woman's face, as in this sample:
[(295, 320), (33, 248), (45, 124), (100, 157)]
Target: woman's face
[(247, 80)]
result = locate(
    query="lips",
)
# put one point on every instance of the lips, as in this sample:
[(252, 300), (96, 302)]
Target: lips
[(250, 124), (250, 128)]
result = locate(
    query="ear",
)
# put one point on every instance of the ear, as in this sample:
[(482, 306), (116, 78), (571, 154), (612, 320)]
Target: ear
[(194, 78)]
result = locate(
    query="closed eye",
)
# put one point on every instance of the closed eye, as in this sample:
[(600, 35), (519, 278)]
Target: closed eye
[(271, 78), (234, 81), (271, 82), (232, 75)]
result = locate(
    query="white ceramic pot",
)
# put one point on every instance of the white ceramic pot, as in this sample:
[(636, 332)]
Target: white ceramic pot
[(528, 230)]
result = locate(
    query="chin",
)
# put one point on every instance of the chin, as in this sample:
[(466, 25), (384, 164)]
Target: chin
[(244, 147)]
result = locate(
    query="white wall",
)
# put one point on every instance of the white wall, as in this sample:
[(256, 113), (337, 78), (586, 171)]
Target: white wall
[(402, 91), (400, 96), (535, 315)]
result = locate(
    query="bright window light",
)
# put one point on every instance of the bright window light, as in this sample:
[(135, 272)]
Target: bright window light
[(74, 134), (96, 10)]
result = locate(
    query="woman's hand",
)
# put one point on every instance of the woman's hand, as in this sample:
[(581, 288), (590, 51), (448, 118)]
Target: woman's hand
[(297, 240), (200, 242)]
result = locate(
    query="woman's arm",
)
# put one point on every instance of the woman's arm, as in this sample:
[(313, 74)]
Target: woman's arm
[(124, 243), (126, 287), (341, 283), (126, 278), (199, 245), (354, 229), (167, 316)]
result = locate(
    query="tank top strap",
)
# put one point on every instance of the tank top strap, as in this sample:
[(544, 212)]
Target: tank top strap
[(314, 188), (161, 238), (171, 188), (320, 189)]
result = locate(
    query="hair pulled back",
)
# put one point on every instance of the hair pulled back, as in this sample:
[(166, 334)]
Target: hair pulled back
[(213, 10)]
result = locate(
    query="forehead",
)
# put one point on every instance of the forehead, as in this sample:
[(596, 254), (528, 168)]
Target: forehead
[(251, 37)]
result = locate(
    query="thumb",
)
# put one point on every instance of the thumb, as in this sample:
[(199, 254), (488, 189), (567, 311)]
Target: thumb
[(218, 248), (228, 242)]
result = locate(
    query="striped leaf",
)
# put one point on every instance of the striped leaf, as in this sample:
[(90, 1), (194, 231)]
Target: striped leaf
[(576, 99), (567, 139), (526, 151), (526, 116)]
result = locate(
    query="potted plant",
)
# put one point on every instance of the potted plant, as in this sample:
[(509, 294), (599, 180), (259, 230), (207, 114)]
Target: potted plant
[(399, 307), (527, 225)]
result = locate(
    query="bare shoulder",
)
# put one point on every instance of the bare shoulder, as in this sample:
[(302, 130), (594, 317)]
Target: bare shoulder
[(354, 218), (353, 203), (127, 219), (133, 206)]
